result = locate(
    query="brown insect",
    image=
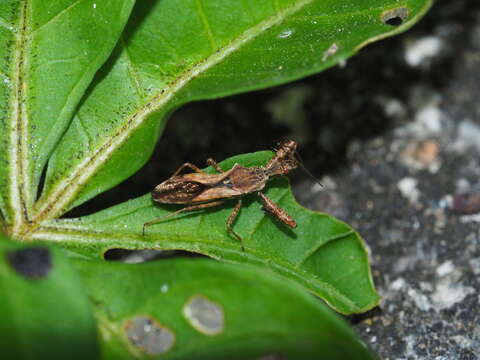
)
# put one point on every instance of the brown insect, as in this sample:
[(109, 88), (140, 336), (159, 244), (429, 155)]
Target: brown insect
[(200, 190)]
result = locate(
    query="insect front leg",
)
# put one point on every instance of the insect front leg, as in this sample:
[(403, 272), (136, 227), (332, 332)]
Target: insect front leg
[(275, 210), (188, 208), (214, 164), (190, 166), (231, 220)]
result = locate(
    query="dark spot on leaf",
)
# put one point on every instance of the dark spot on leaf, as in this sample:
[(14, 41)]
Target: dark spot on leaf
[(394, 17), (32, 263), (149, 336)]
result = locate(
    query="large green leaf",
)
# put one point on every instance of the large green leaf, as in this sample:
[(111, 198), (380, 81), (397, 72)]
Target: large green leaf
[(49, 53), (323, 254), (201, 309), (170, 54), (44, 309)]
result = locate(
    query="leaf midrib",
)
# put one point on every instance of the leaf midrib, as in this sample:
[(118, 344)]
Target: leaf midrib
[(18, 178), (71, 232)]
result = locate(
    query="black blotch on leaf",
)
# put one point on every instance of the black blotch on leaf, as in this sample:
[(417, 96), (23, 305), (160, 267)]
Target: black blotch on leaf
[(394, 21), (395, 17), (32, 263)]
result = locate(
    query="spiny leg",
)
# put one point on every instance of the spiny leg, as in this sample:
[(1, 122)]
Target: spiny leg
[(188, 165), (188, 208), (231, 220), (275, 210), (214, 164)]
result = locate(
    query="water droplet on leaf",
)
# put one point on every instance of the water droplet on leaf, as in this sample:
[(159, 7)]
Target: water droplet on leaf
[(285, 33)]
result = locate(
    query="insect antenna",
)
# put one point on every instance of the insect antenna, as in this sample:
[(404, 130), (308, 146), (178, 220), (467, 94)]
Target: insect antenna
[(299, 160)]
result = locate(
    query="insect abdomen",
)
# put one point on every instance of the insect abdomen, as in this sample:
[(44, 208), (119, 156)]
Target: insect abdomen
[(177, 192)]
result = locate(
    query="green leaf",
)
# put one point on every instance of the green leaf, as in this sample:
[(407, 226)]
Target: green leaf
[(50, 52), (171, 54), (44, 310), (201, 309), (323, 254)]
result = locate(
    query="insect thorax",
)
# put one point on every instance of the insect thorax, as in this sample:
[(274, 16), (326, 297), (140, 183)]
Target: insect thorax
[(247, 180)]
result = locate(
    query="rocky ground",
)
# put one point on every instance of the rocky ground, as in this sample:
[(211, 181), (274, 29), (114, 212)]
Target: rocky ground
[(413, 191), (395, 136)]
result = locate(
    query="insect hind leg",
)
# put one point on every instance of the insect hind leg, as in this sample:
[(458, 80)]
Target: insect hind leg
[(275, 210), (215, 165), (191, 166), (185, 209), (231, 220)]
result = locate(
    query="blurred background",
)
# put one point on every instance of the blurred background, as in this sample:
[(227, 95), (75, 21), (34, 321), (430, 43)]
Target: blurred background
[(394, 135)]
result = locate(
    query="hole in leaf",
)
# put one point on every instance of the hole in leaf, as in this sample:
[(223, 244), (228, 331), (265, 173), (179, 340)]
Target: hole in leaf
[(41, 182), (204, 315), (32, 263), (149, 336), (139, 256), (394, 17)]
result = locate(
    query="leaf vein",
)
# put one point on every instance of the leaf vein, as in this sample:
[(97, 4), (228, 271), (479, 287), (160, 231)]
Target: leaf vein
[(131, 70), (81, 125), (206, 24), (56, 17), (169, 45), (80, 234), (321, 243)]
